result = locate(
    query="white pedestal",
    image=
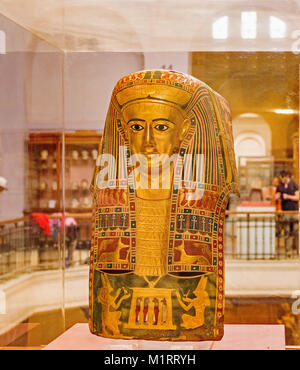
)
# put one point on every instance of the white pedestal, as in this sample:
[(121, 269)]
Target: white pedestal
[(236, 337)]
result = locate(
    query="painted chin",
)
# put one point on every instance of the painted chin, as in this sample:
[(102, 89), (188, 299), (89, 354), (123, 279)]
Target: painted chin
[(150, 154)]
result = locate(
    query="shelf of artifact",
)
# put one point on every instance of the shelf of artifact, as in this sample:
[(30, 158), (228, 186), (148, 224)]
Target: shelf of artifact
[(44, 163), (81, 188), (45, 196), (81, 149), (79, 199), (78, 156), (82, 138), (82, 146)]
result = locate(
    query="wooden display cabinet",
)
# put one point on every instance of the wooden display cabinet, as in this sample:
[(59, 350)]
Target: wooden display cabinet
[(45, 171), (81, 151)]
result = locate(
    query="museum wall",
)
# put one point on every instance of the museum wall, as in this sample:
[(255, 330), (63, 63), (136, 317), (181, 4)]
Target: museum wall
[(16, 106), (45, 91), (12, 135), (89, 81)]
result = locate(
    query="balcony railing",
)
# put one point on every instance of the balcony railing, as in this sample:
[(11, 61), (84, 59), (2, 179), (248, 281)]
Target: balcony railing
[(25, 248), (262, 235)]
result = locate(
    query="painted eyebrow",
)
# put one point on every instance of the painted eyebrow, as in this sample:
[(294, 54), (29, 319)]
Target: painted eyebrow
[(135, 119), (154, 120), (162, 119)]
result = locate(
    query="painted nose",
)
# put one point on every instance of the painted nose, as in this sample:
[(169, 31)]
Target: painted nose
[(149, 143)]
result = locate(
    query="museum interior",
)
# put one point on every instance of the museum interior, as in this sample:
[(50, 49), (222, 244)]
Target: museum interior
[(58, 67)]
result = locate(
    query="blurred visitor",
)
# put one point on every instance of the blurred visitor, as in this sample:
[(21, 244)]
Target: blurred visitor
[(287, 192), (71, 233), (43, 221), (276, 202), (3, 184)]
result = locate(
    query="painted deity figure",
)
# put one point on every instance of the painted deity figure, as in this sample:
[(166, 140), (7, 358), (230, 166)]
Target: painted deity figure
[(163, 177)]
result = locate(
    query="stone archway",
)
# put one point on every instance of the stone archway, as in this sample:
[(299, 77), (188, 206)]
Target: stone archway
[(252, 136)]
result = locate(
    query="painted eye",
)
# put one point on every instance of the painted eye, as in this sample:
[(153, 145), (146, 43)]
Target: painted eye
[(137, 127), (161, 127)]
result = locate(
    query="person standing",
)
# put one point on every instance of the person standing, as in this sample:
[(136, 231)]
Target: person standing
[(287, 191)]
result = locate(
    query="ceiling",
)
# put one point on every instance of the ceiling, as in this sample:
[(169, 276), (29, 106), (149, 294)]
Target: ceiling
[(260, 82), (153, 25)]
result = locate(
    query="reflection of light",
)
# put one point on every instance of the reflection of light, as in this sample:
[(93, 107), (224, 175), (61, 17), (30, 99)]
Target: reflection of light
[(220, 28), (277, 28), (249, 115), (248, 25), (285, 111)]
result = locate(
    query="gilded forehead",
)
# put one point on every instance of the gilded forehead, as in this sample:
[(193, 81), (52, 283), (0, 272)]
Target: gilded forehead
[(167, 86), (150, 109)]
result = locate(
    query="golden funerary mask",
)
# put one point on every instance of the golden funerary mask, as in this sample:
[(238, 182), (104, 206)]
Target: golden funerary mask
[(154, 127), (164, 173)]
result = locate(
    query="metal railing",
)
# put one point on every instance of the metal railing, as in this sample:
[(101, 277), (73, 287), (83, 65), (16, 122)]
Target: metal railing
[(262, 235), (25, 248), (248, 236), (15, 247)]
